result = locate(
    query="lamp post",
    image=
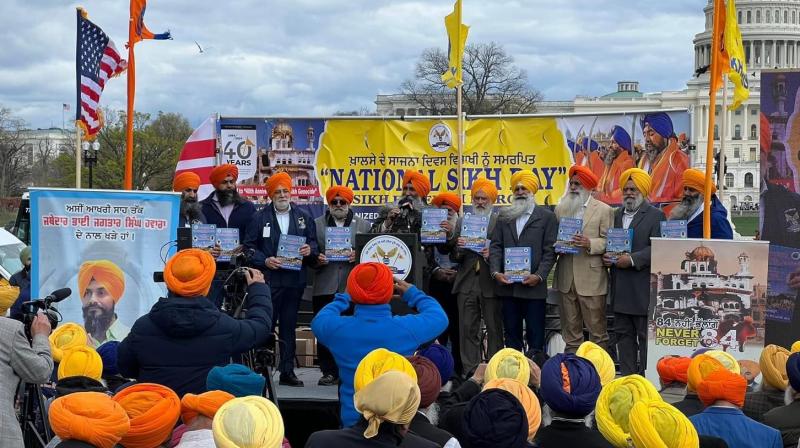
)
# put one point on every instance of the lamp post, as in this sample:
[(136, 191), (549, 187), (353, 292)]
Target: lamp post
[(90, 152)]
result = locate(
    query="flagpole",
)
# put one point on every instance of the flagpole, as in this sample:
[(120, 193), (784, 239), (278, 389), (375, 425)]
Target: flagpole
[(128, 180), (460, 144), (712, 98), (724, 132), (78, 153)]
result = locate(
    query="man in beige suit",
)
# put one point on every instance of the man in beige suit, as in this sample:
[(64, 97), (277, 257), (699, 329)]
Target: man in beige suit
[(581, 278)]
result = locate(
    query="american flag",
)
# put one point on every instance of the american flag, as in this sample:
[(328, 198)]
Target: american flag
[(97, 60)]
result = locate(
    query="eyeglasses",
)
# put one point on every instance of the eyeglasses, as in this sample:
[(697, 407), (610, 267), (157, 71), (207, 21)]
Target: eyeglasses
[(338, 202)]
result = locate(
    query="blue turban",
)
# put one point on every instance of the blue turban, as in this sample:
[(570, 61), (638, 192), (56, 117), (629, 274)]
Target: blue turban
[(660, 122), (442, 358), (793, 371), (108, 353), (235, 379), (591, 145), (699, 351), (584, 383), (495, 418), (622, 137)]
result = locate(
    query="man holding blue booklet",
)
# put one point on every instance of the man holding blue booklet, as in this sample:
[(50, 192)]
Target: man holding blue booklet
[(630, 272), (284, 243)]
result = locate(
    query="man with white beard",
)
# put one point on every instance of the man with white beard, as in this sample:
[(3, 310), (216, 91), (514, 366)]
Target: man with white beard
[(331, 276), (474, 286), (581, 278), (524, 224), (287, 286), (630, 273), (691, 208)]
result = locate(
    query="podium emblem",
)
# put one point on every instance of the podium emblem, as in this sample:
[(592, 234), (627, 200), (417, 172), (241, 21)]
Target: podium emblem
[(390, 251)]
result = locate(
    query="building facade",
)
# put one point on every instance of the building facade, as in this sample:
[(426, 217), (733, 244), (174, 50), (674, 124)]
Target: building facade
[(771, 37)]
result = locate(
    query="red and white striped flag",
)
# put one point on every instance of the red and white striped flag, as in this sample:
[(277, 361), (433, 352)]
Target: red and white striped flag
[(199, 155), (97, 60)]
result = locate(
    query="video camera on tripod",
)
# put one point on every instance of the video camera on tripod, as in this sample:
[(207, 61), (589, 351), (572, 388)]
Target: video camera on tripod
[(31, 308), (235, 283)]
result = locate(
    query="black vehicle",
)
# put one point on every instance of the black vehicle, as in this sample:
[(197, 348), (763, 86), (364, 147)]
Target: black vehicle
[(22, 225)]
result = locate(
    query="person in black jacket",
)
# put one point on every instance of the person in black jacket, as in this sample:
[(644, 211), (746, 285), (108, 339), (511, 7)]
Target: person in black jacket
[(424, 422), (184, 335), (264, 239), (21, 279)]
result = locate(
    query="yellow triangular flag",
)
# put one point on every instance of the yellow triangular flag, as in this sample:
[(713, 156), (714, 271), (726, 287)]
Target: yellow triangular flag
[(457, 37), (737, 70)]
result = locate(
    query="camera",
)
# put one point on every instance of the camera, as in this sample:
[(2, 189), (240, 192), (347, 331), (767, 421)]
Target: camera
[(31, 308), (235, 286)]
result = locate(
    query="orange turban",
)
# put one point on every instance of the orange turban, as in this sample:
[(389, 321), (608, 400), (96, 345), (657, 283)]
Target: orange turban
[(189, 272), (673, 369), (281, 179), (108, 274), (487, 187), (186, 179), (722, 384), (585, 176), (696, 180), (219, 173), (420, 182), (90, 417), (153, 410), (447, 199), (205, 404), (701, 366), (370, 284), (343, 192)]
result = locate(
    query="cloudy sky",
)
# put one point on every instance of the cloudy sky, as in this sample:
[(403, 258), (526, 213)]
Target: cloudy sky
[(316, 57)]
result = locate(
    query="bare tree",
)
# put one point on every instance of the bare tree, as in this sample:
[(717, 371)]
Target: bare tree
[(14, 163), (362, 111), (492, 83)]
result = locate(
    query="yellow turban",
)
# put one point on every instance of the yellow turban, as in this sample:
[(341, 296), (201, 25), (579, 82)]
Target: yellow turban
[(773, 366), (795, 347), (728, 361), (696, 180), (639, 177), (488, 188), (81, 361), (700, 367), (614, 405), (65, 337), (526, 397), (393, 397), (509, 363), (8, 295), (378, 362), (600, 359), (655, 424), (104, 272), (248, 422), (527, 179), (90, 417)]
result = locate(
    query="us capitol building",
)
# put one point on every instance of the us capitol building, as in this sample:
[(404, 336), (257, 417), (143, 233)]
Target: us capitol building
[(771, 37)]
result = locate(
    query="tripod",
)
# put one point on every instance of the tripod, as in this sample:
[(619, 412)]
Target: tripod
[(260, 361), (33, 416)]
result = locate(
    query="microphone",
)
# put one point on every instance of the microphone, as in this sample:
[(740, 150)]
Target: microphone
[(405, 207), (58, 295)]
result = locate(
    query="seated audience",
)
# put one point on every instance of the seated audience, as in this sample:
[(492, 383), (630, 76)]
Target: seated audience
[(91, 418), (673, 376), (153, 411), (769, 394), (495, 418), (600, 359), (658, 424), (197, 414), (786, 419), (248, 422), (427, 417), (237, 380)]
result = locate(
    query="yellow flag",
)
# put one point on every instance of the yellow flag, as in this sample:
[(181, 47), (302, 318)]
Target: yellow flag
[(737, 69), (457, 37)]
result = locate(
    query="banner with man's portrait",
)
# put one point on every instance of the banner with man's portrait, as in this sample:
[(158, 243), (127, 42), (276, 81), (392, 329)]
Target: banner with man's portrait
[(104, 246)]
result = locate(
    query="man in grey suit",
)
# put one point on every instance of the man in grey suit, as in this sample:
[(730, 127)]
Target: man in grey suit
[(20, 360), (630, 273), (474, 285), (524, 224), (330, 277)]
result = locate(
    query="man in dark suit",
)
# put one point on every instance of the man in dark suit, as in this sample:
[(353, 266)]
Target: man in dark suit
[(524, 224), (263, 235), (474, 285), (786, 419), (630, 273)]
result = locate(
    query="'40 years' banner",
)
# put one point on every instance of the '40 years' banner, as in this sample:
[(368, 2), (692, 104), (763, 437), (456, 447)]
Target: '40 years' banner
[(370, 156), (105, 246)]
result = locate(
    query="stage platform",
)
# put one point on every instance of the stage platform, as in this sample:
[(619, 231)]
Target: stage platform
[(307, 409), (310, 392)]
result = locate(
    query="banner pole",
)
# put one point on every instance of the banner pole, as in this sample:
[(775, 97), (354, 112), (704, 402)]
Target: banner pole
[(460, 145), (716, 47), (724, 132), (78, 154)]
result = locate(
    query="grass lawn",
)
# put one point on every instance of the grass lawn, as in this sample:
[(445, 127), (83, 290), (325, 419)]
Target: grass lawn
[(746, 225)]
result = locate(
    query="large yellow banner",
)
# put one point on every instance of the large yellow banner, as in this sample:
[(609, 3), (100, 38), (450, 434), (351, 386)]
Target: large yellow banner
[(370, 156)]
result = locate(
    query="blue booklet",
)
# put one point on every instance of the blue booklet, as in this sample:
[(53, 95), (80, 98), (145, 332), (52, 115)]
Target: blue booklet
[(289, 251), (474, 229), (618, 242), (228, 240), (204, 236), (518, 263), (431, 231), (338, 243), (673, 229), (567, 228)]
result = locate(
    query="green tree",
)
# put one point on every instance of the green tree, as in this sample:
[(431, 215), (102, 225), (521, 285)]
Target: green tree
[(157, 146)]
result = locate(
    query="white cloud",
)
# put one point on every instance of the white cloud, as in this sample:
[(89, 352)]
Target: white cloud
[(316, 57)]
